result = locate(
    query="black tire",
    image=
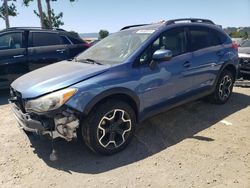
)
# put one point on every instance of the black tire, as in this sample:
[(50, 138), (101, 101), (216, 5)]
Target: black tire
[(96, 129), (222, 92)]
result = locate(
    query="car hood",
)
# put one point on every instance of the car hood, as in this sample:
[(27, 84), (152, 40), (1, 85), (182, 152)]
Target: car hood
[(244, 50), (55, 77)]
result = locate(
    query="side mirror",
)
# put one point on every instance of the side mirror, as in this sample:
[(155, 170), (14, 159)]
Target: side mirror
[(160, 55)]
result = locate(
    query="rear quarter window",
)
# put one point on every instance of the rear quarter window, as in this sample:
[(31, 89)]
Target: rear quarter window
[(202, 37), (76, 40), (65, 40)]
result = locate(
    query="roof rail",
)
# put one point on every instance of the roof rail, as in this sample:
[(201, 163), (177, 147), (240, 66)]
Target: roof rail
[(130, 26), (192, 20), (58, 29), (10, 28), (13, 28)]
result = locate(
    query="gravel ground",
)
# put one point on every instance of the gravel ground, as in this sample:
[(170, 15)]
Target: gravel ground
[(194, 145)]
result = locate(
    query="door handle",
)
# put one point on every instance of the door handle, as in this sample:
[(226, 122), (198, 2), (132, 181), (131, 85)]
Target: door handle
[(61, 51), (187, 64), (18, 56)]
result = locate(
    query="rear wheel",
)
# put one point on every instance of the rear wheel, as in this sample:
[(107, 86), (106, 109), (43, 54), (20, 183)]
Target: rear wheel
[(109, 127), (223, 88)]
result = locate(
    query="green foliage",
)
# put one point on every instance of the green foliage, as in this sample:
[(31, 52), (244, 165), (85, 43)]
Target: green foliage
[(103, 34), (11, 9), (27, 2), (56, 20), (239, 34)]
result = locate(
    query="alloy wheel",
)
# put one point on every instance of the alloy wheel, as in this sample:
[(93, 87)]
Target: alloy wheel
[(225, 87), (114, 129)]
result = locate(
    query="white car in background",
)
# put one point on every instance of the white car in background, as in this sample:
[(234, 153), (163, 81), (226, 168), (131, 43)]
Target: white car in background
[(244, 55)]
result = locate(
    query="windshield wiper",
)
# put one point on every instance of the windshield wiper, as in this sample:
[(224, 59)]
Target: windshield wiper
[(90, 61)]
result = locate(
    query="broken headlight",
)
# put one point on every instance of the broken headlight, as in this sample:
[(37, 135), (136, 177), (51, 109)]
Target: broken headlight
[(50, 101)]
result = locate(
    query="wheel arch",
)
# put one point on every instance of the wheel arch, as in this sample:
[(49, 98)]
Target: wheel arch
[(122, 94), (230, 67)]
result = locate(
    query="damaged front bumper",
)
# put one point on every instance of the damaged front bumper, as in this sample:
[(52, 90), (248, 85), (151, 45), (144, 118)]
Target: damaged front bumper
[(63, 124)]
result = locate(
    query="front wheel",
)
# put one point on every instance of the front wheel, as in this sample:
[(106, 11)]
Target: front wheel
[(223, 88), (109, 127)]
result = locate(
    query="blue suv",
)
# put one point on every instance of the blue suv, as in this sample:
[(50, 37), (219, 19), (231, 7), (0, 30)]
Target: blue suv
[(142, 70)]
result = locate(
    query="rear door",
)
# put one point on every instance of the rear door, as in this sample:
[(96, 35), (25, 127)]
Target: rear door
[(45, 48), (13, 57), (207, 52)]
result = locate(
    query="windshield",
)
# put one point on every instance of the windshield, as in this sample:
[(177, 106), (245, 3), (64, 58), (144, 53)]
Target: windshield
[(245, 43), (115, 48)]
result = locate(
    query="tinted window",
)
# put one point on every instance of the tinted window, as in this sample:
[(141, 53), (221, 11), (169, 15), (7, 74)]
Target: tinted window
[(174, 40), (203, 38), (45, 39), (65, 40), (11, 41), (76, 40)]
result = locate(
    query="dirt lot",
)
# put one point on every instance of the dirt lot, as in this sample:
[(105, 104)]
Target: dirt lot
[(195, 145)]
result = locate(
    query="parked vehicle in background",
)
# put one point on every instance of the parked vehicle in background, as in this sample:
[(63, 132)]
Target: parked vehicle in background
[(244, 55), (238, 41), (25, 49), (131, 75), (94, 42)]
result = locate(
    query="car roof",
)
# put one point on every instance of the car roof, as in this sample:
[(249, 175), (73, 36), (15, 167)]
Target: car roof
[(33, 29), (175, 22)]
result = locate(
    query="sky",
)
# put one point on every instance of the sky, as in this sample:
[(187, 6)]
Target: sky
[(86, 16)]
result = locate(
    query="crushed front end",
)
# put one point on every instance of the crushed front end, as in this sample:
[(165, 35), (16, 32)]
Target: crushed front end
[(60, 122)]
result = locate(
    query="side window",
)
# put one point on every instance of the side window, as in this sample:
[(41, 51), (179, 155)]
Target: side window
[(223, 38), (76, 40), (45, 39), (11, 41), (203, 38), (174, 40), (199, 39), (65, 40), (214, 38)]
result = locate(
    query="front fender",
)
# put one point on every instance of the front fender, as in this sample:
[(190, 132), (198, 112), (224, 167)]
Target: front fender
[(84, 101)]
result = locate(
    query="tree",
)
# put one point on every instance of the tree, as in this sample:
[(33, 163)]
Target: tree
[(49, 12), (239, 34), (245, 35), (40, 10), (55, 21), (103, 34), (48, 19), (6, 11), (52, 19)]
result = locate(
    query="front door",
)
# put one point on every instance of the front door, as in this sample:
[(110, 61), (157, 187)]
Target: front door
[(13, 57), (170, 79)]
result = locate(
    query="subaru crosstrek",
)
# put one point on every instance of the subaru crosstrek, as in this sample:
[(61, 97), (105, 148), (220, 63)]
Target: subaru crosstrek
[(142, 70)]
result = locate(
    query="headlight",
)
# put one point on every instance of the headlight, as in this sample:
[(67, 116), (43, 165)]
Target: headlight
[(51, 101)]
